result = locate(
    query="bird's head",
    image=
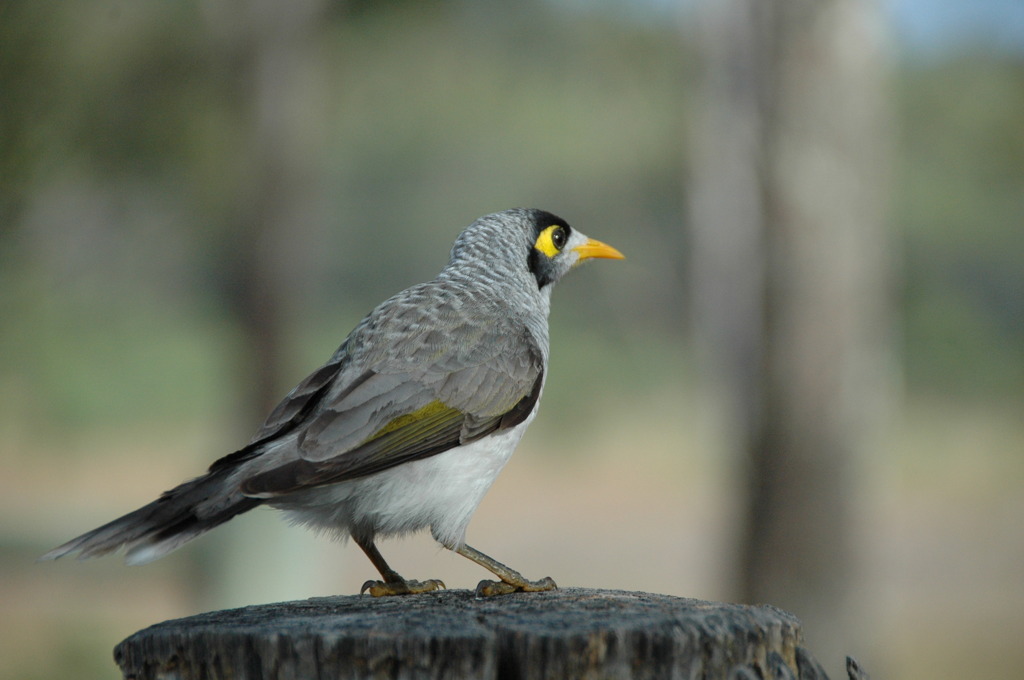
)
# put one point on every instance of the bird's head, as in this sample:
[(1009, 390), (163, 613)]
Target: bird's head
[(534, 240)]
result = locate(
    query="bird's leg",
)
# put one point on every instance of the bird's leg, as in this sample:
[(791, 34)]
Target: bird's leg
[(393, 584), (511, 580)]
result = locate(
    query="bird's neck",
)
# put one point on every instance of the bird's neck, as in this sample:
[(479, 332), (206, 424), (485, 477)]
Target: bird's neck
[(519, 296)]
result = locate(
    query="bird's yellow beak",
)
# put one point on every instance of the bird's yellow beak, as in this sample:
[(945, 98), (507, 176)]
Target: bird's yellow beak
[(594, 248)]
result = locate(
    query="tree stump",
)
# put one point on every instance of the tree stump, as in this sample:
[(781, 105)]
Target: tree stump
[(568, 633)]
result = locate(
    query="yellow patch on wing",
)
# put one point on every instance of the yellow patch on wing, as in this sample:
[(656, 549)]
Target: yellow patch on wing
[(431, 413)]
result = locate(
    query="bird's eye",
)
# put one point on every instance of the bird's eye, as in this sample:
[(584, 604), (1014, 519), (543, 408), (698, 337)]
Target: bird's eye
[(552, 239), (559, 237)]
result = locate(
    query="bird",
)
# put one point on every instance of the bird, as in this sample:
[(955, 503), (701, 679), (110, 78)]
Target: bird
[(408, 423)]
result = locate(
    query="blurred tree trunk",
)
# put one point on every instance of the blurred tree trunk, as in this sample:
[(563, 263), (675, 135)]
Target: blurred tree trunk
[(790, 266), (267, 51)]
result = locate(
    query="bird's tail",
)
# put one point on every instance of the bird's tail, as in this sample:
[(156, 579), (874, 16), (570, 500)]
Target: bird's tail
[(154, 530)]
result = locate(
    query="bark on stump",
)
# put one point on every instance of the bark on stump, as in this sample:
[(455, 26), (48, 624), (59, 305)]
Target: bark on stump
[(568, 633)]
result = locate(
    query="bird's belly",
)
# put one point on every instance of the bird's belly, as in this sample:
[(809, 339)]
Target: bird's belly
[(441, 492)]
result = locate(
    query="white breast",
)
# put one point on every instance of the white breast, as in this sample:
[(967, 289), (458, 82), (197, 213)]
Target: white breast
[(441, 492)]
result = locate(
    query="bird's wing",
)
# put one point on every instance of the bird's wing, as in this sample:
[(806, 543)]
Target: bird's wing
[(297, 405), (405, 408)]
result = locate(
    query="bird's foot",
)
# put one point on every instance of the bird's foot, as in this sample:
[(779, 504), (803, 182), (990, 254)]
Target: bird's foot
[(490, 588), (382, 588)]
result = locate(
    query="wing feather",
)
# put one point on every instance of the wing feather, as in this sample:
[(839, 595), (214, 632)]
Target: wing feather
[(395, 419), (401, 392), (298, 403)]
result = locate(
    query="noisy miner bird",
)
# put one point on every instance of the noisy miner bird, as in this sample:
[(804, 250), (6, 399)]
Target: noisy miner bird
[(409, 422)]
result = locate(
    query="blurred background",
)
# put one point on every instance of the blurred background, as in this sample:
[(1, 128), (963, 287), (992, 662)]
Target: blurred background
[(802, 387)]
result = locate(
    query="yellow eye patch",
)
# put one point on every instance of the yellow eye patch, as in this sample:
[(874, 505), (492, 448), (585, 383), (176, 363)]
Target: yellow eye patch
[(551, 240)]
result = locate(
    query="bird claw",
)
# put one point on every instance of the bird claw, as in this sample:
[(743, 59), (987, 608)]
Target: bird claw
[(383, 588), (491, 588)]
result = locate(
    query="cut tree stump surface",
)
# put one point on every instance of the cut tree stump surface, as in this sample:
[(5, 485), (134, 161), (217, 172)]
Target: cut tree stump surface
[(567, 633)]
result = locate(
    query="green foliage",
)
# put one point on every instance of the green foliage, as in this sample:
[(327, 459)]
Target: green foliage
[(960, 202)]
